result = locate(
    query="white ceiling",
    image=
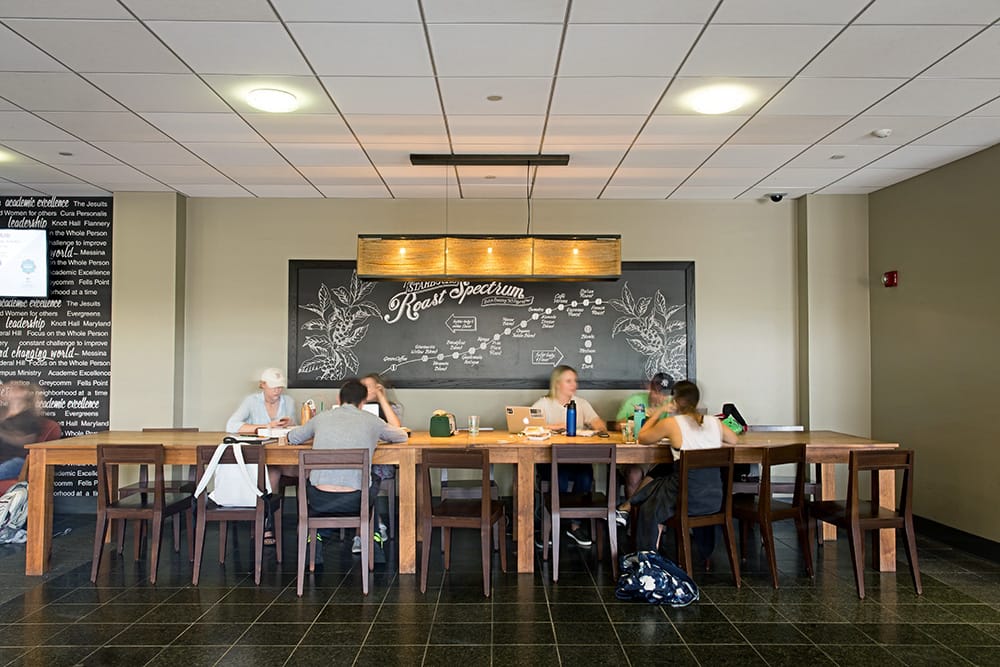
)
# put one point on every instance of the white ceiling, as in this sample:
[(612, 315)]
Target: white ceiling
[(140, 95)]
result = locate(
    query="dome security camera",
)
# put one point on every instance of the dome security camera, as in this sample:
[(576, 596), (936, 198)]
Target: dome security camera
[(776, 196)]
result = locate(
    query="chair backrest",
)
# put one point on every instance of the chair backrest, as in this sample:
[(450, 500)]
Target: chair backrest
[(110, 456), (784, 455), (585, 455), (463, 459), (776, 428), (163, 429), (332, 459), (252, 454), (700, 459), (873, 461)]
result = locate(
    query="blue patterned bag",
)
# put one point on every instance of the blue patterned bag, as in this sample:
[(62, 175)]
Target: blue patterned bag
[(646, 575)]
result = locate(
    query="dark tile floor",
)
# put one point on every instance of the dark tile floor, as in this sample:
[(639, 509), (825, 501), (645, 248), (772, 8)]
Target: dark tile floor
[(65, 620)]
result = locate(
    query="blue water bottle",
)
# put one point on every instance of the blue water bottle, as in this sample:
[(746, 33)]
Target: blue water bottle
[(638, 417), (571, 418)]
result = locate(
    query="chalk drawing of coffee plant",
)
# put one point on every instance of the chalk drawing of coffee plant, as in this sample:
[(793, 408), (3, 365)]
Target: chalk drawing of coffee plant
[(339, 326), (651, 331)]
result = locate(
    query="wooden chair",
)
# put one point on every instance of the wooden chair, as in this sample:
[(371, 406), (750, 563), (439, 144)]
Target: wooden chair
[(209, 511), (481, 513), (682, 522), (468, 489), (151, 505), (593, 506), (857, 516), (763, 509), (310, 522)]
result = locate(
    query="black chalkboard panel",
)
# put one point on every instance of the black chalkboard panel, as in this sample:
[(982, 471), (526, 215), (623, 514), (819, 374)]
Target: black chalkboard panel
[(489, 334)]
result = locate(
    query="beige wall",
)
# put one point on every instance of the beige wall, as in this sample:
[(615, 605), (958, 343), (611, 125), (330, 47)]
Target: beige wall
[(935, 360), (237, 301)]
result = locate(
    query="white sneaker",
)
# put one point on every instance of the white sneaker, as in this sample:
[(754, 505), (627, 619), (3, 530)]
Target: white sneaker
[(383, 533), (356, 547)]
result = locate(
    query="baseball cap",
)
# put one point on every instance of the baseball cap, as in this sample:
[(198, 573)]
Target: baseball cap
[(663, 380), (273, 377)]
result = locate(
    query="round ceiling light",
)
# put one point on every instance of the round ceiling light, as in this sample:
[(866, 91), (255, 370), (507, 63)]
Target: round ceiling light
[(272, 101), (721, 98), (6, 157)]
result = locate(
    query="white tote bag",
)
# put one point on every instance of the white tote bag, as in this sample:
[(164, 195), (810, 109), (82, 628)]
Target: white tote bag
[(235, 483)]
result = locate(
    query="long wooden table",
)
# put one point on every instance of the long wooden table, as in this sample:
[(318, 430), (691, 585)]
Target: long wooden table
[(824, 447)]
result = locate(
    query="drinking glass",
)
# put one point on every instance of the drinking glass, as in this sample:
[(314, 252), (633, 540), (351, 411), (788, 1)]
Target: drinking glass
[(473, 424)]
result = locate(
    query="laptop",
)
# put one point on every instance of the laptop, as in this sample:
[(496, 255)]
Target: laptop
[(518, 417)]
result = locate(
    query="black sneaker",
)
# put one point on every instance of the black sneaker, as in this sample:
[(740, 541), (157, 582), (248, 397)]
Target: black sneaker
[(621, 518), (538, 543), (578, 536)]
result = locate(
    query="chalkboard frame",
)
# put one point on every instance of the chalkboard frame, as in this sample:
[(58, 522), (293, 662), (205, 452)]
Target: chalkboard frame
[(295, 382)]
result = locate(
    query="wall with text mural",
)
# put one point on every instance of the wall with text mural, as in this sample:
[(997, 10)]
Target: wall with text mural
[(62, 342)]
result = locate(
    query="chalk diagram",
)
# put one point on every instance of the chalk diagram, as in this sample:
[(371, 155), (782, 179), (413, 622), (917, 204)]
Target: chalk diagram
[(661, 339), (340, 326)]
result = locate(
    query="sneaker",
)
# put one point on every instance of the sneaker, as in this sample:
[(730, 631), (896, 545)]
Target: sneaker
[(578, 536), (356, 547), (621, 518), (538, 543), (382, 533)]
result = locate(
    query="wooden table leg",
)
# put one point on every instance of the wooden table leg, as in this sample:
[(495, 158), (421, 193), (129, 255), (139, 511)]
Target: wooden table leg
[(828, 491), (525, 510), (36, 556), (406, 480), (887, 538)]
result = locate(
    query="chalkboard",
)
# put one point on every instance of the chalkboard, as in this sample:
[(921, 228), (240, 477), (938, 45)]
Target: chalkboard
[(489, 334), (63, 343)]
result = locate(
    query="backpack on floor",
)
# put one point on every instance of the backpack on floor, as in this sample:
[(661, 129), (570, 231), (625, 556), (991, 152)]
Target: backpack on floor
[(648, 576), (13, 512)]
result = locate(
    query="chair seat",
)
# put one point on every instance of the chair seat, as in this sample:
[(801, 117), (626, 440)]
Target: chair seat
[(575, 501), (137, 501), (835, 511), (169, 486)]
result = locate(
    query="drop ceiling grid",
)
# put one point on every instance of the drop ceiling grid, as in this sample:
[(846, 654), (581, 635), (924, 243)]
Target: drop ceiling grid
[(607, 85)]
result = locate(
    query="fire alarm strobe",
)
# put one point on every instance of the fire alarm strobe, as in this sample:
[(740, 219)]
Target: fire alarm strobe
[(890, 278)]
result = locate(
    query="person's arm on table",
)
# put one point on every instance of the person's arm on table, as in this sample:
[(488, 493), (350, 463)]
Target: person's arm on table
[(591, 419), (729, 436), (302, 434), (239, 421), (392, 434), (655, 430)]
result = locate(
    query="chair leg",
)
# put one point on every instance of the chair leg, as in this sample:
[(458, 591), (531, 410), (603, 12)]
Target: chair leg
[(367, 551), (137, 535), (684, 548), (392, 508), (911, 554), (102, 529), (546, 532), (371, 552), (426, 553), (119, 532), (278, 533), (223, 535), (176, 520), (613, 541), (258, 546), (734, 560), (189, 523), (446, 546), (554, 526), (503, 541), (485, 535), (857, 558), (805, 543), (313, 541), (300, 567), (156, 528), (767, 535), (199, 547), (597, 529)]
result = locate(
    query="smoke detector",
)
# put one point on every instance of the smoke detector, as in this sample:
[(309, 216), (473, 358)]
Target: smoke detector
[(882, 133)]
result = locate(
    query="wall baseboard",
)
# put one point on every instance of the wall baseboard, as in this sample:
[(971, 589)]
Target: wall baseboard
[(974, 544)]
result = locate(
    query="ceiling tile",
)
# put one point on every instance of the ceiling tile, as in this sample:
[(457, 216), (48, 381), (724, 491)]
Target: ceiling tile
[(11, 188), (341, 175), (125, 46), (29, 171), (474, 50), (872, 51), (385, 155), (589, 156), (819, 156), (873, 177), (788, 178), (18, 55), (653, 155), (731, 176), (319, 155), (770, 157), (787, 129), (838, 189), (102, 174), (7, 106), (105, 126), (63, 9), (185, 127), (689, 129), (967, 131), (924, 157), (789, 11), (492, 190), (509, 11), (625, 50), (980, 57), (149, 152), (220, 190), (650, 176), (23, 125), (568, 191), (263, 175), (606, 96), (761, 194), (904, 129), (384, 94), (136, 186), (410, 175), (520, 96), (179, 175), (759, 90), (361, 11), (404, 130), (615, 130), (931, 12), (938, 97), (637, 192), (574, 175), (283, 190), (304, 128), (706, 192), (229, 154), (359, 49), (830, 96), (354, 191), (49, 152), (514, 145), (159, 92), (418, 191), (641, 11), (991, 109), (219, 47), (307, 90), (67, 189), (516, 176), (199, 10), (755, 50), (51, 91), (499, 130)]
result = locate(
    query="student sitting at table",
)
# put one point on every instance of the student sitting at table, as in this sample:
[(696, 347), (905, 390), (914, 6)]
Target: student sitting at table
[(656, 395), (687, 429), (268, 408), (562, 389), (347, 427)]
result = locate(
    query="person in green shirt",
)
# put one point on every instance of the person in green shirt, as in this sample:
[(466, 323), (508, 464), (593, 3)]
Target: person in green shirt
[(658, 393)]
